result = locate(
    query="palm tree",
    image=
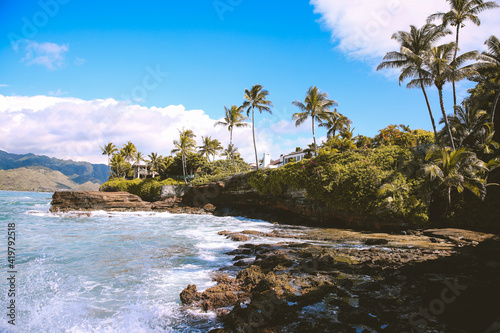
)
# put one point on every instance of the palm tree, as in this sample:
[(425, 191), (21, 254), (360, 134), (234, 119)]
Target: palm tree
[(472, 128), (128, 151), (317, 107), (138, 157), (439, 71), (185, 145), (234, 118), (459, 169), (462, 11), (256, 98), (336, 122), (210, 147), (109, 150), (118, 165), (410, 58), (231, 152), (154, 163), (490, 62)]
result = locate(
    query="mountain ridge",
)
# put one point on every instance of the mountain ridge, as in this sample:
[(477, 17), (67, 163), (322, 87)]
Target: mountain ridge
[(78, 172)]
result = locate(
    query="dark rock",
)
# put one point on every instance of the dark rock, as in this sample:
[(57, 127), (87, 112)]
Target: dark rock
[(376, 241)]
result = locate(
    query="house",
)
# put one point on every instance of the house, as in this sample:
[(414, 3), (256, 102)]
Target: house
[(140, 170), (292, 157)]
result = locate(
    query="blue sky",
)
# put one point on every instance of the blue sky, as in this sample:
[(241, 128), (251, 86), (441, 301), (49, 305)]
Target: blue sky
[(77, 74)]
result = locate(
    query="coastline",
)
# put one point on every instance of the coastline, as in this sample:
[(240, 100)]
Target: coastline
[(327, 277)]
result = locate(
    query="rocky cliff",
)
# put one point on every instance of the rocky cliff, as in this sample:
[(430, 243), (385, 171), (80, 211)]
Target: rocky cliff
[(236, 197), (65, 201), (233, 197)]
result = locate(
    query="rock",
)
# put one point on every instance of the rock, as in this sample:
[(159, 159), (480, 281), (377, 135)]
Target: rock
[(64, 201), (376, 241), (190, 295), (239, 238), (209, 208)]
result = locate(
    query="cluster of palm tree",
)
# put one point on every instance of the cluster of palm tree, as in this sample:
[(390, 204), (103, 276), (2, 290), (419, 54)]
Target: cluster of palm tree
[(466, 142), (121, 162)]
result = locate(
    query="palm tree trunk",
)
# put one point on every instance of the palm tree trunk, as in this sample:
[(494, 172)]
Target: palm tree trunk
[(453, 81), (447, 124), (314, 137), (428, 106), (495, 104), (231, 145), (184, 168), (254, 145)]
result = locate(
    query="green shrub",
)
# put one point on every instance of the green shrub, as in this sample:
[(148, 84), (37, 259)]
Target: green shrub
[(351, 182), (148, 189)]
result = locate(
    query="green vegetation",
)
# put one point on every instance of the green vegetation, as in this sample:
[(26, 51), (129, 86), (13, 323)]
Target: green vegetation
[(147, 189), (441, 177), (369, 181)]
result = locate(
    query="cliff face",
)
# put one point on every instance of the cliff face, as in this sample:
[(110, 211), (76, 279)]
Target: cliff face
[(236, 197), (233, 197), (65, 201)]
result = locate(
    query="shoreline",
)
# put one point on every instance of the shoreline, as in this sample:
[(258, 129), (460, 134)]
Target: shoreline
[(333, 277), (378, 284)]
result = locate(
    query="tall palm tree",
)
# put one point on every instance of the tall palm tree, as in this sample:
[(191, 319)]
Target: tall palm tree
[(128, 151), (209, 147), (256, 98), (462, 11), (336, 122), (316, 106), (109, 149), (138, 157), (234, 118), (440, 70), (490, 62), (185, 145), (154, 163), (410, 58), (458, 169)]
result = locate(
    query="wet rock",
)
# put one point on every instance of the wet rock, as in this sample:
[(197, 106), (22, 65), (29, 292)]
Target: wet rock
[(190, 295), (376, 241)]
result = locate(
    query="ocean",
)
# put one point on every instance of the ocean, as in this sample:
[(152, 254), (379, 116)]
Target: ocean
[(107, 272)]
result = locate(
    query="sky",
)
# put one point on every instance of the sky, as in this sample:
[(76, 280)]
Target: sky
[(75, 75)]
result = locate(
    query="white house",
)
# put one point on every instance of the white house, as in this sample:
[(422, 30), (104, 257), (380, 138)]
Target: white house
[(292, 157), (140, 170)]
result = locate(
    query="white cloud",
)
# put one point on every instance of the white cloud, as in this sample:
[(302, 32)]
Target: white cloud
[(50, 55), (3, 85), (66, 127), (362, 29)]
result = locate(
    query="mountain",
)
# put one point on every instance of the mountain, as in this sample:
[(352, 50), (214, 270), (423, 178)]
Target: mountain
[(77, 172), (40, 179)]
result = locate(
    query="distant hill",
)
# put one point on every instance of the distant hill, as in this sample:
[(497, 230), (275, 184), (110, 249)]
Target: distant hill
[(77, 172), (40, 179)]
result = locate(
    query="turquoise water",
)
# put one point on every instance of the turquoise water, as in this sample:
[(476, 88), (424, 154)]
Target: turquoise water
[(109, 272)]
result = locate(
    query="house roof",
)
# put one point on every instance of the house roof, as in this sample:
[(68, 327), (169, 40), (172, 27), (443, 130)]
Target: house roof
[(276, 162)]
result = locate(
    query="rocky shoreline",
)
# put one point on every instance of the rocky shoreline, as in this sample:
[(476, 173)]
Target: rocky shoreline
[(333, 280)]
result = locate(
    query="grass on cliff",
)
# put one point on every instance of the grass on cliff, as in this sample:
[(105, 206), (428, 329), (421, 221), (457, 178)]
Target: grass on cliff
[(148, 189), (369, 182)]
